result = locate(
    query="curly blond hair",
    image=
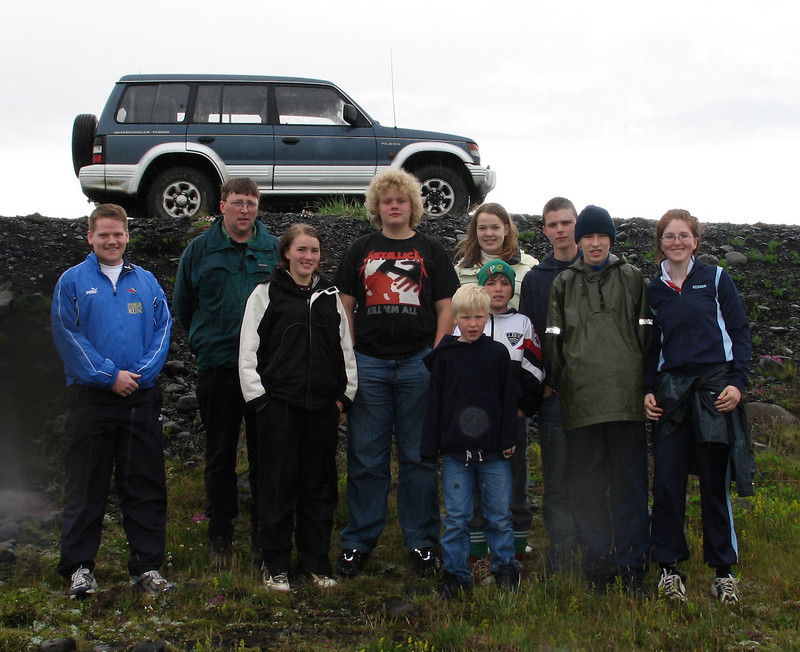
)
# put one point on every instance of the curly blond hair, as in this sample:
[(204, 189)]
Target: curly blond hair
[(394, 179)]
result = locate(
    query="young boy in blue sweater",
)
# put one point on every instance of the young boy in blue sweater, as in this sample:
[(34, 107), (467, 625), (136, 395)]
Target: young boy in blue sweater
[(471, 419)]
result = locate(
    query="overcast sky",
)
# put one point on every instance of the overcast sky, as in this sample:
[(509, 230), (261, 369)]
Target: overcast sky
[(635, 106)]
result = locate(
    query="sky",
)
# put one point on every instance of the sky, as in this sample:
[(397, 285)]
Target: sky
[(635, 106)]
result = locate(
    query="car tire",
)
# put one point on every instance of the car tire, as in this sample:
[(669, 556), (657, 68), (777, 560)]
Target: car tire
[(443, 190), (83, 131), (180, 192)]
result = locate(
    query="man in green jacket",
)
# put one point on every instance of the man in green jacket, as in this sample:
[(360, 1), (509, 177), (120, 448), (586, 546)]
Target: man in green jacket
[(598, 332), (216, 274)]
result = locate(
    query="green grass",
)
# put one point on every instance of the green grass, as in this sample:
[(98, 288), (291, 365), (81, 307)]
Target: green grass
[(342, 206), (228, 610)]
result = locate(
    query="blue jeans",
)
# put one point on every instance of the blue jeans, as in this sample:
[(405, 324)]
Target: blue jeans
[(458, 483), (391, 399), (557, 509)]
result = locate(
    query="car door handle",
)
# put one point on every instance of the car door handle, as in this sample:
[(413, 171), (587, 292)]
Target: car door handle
[(205, 139), (291, 140)]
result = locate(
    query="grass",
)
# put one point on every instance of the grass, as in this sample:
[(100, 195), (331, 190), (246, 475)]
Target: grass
[(227, 610), (342, 206)]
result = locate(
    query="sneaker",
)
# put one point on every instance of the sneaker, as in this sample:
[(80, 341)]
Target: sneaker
[(277, 582), (670, 585), (507, 577), (481, 571), (152, 582), (725, 589), (82, 584), (323, 581), (351, 562), (426, 562)]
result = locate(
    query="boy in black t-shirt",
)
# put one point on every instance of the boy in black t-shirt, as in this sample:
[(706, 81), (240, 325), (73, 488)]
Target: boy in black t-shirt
[(396, 285)]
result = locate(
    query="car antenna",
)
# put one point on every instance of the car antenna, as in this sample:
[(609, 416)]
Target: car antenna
[(391, 70)]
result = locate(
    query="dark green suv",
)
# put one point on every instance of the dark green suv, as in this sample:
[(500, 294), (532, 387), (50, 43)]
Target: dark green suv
[(165, 143)]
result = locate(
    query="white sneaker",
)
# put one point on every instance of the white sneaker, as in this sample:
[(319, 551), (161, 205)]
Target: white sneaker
[(725, 590), (278, 582), (670, 585), (82, 583), (323, 581), (152, 582)]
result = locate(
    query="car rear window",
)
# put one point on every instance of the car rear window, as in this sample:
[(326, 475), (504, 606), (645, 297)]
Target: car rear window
[(231, 103), (153, 104)]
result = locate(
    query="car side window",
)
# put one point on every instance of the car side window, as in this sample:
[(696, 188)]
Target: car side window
[(231, 104), (153, 104), (309, 105)]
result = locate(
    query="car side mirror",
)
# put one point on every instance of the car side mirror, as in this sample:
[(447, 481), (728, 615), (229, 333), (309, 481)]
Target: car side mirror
[(350, 114)]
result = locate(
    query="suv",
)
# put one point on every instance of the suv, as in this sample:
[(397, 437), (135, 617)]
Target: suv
[(165, 143)]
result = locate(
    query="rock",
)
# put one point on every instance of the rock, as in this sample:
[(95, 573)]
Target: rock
[(7, 556), (58, 645), (9, 530), (709, 259), (398, 610), (150, 646), (769, 414), (735, 258), (188, 403), (6, 298), (771, 365)]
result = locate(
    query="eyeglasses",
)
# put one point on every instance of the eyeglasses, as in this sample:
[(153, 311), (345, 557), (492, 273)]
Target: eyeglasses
[(238, 203), (670, 238)]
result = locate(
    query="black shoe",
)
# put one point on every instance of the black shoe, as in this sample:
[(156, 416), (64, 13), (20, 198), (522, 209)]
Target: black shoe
[(452, 588), (507, 577), (426, 562), (220, 551), (351, 562)]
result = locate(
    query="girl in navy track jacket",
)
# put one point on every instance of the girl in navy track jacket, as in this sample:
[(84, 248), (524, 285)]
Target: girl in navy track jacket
[(696, 372)]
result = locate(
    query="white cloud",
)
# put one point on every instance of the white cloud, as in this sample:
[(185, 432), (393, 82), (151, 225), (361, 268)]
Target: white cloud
[(636, 106)]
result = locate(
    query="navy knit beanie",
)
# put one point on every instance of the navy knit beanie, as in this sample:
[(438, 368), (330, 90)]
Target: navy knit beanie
[(594, 219)]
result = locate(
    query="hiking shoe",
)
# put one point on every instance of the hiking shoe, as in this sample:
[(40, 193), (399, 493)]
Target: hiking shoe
[(152, 582), (507, 577), (351, 562), (725, 589), (277, 582), (481, 571), (670, 585), (452, 588), (426, 562), (220, 551), (82, 584), (323, 581)]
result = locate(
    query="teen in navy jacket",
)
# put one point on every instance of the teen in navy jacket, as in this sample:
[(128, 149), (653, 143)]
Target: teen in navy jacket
[(694, 378)]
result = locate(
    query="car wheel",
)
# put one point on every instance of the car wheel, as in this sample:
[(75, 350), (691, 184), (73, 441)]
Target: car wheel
[(83, 131), (443, 191), (180, 192)]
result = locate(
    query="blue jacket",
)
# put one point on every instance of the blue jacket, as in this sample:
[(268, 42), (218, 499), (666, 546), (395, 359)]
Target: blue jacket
[(699, 328), (100, 329)]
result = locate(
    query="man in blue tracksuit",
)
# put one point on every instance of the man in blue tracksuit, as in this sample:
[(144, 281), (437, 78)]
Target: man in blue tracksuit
[(111, 325)]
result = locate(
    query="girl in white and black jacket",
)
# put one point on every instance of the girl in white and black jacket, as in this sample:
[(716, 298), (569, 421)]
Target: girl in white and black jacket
[(298, 371)]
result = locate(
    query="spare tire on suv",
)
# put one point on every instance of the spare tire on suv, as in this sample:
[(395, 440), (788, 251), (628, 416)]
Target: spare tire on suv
[(83, 130)]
